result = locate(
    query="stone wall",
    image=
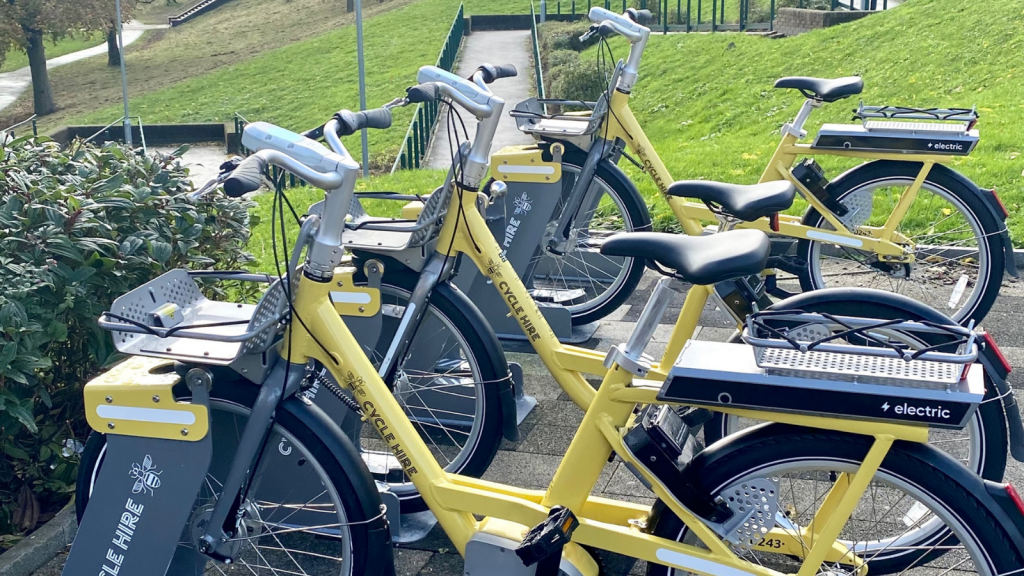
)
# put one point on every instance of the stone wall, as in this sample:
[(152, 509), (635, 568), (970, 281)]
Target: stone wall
[(793, 21)]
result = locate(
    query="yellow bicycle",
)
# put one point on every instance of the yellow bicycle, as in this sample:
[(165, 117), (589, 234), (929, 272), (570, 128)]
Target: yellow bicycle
[(903, 222), (811, 494)]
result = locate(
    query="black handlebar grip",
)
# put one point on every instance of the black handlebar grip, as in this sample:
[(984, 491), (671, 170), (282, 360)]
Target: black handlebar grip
[(605, 30), (493, 72), (248, 177), (423, 93), (351, 122), (641, 17)]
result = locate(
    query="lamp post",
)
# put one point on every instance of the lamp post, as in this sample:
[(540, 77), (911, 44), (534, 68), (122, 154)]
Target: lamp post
[(362, 84), (124, 77)]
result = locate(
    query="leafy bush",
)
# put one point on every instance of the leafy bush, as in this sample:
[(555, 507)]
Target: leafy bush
[(561, 58), (577, 81), (79, 227)]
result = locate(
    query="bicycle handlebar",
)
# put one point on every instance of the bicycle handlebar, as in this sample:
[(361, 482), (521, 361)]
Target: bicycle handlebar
[(624, 25), (641, 17), (246, 177), (492, 72), (351, 122)]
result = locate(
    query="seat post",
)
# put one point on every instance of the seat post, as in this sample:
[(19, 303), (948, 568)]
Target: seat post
[(651, 316), (796, 127)]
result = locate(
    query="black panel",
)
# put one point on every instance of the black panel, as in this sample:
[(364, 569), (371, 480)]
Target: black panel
[(945, 146), (839, 403)]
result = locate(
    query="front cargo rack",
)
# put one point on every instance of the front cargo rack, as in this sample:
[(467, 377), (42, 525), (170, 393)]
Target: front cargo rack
[(836, 366), (169, 317)]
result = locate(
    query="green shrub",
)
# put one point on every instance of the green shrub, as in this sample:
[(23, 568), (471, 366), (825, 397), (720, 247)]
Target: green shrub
[(79, 227), (561, 58), (577, 81)]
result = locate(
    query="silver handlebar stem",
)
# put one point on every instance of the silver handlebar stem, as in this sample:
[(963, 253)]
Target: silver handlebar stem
[(637, 36), (326, 249), (476, 98)]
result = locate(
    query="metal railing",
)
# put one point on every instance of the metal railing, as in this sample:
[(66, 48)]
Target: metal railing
[(538, 69), (417, 138), (120, 121), (692, 15), (10, 130)]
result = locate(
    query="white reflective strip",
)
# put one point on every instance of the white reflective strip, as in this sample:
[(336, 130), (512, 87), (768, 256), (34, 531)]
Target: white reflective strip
[(525, 169), (350, 297), (155, 415), (835, 238), (697, 564), (386, 364)]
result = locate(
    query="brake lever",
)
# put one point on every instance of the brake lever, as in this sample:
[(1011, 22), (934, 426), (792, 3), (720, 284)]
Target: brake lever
[(396, 103), (589, 34)]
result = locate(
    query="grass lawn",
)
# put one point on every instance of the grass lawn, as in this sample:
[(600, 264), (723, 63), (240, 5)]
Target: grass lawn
[(235, 33), (16, 59), (706, 101)]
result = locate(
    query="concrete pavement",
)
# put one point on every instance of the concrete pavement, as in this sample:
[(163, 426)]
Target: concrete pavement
[(12, 84)]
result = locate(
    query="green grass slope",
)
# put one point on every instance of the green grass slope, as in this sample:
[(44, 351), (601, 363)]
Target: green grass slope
[(16, 59), (707, 104), (302, 84), (228, 36)]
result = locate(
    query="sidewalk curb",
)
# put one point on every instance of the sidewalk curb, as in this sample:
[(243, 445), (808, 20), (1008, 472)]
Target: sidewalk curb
[(41, 546)]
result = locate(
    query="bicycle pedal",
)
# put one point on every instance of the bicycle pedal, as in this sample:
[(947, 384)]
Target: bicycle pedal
[(549, 537)]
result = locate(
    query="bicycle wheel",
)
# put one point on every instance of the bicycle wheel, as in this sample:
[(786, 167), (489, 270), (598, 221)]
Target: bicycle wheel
[(323, 527), (594, 285), (917, 491), (981, 446), (959, 258), (446, 384)]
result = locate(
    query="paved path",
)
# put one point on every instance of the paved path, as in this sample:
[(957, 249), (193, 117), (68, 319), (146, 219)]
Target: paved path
[(505, 47), (202, 160), (12, 84)]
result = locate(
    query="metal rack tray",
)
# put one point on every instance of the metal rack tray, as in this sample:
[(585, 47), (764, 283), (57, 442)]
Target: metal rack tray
[(948, 131), (791, 362), (169, 317), (531, 118)]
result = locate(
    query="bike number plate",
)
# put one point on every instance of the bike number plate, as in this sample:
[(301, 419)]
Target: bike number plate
[(139, 507)]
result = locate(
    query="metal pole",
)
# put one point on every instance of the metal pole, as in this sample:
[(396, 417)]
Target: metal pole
[(543, 10), (124, 76), (362, 85)]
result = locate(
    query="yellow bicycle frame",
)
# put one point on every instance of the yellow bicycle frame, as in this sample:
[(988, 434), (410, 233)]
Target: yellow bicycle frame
[(605, 523), (885, 241)]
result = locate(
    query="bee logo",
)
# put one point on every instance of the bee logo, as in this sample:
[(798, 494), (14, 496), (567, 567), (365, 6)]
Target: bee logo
[(147, 479), (522, 204), (493, 268)]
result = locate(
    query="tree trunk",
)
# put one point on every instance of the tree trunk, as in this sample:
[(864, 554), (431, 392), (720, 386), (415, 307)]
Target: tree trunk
[(113, 52), (41, 92)]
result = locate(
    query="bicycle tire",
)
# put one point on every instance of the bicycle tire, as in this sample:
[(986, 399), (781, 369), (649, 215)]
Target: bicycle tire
[(343, 468), (940, 482), (480, 341), (618, 186), (994, 438), (974, 211)]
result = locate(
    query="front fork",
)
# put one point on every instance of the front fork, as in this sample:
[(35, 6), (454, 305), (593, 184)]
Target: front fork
[(558, 244), (437, 268), (284, 380)]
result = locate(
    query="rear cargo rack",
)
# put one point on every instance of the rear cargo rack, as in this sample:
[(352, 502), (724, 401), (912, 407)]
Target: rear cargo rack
[(791, 361), (968, 116)]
